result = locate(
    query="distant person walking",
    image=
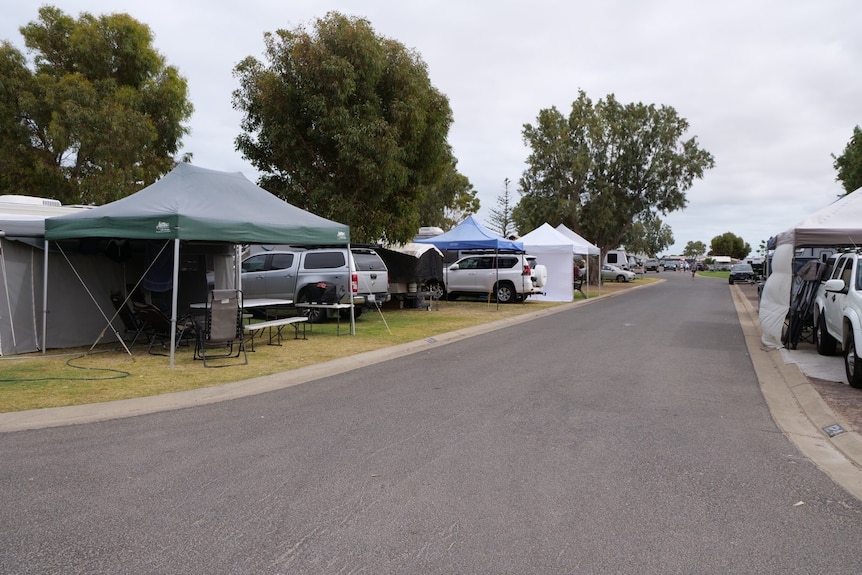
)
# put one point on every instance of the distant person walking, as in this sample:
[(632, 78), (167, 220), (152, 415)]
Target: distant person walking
[(693, 270)]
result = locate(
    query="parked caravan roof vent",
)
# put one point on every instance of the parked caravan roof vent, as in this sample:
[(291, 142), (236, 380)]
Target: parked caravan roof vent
[(28, 200)]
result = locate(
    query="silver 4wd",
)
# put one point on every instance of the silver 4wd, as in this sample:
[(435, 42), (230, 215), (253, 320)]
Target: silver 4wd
[(838, 314), (291, 273), (509, 277)]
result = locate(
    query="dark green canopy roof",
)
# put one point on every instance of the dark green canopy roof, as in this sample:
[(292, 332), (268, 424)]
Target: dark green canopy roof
[(191, 203)]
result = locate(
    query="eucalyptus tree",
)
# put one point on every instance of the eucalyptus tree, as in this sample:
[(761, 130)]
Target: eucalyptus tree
[(694, 249), (97, 115), (729, 244), (649, 236), (849, 163), (345, 123), (606, 166)]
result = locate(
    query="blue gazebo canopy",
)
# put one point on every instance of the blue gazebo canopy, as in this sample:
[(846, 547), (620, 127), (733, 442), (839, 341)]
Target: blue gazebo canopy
[(471, 235)]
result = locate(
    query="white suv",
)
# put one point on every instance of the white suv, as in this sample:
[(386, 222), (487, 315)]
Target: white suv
[(838, 313), (510, 277)]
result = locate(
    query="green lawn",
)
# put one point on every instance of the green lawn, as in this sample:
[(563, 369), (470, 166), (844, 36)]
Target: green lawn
[(723, 275)]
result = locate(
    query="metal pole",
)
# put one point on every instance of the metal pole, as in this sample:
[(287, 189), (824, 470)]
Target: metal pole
[(174, 294), (45, 302)]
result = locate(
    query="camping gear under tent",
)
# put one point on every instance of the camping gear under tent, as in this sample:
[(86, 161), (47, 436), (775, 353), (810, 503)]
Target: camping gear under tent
[(582, 247), (196, 204), (838, 224), (553, 250)]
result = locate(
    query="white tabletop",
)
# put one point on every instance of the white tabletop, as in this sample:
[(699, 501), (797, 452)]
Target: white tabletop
[(252, 303), (264, 302)]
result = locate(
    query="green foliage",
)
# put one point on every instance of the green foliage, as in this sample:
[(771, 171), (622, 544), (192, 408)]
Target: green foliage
[(346, 124), (447, 202), (464, 204), (501, 216), (605, 167), (97, 118), (694, 249), (728, 244), (648, 236), (849, 164)]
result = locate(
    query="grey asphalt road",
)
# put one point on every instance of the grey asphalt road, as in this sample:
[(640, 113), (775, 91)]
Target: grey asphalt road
[(628, 435)]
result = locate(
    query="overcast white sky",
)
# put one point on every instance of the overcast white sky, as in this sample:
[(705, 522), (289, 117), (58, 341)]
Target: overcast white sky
[(770, 87)]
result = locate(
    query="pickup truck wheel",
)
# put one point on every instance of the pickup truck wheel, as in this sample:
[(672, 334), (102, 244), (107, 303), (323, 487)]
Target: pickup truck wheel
[(824, 342), (852, 364), (313, 315), (505, 292)]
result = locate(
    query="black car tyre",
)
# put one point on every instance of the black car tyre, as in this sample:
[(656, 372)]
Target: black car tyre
[(314, 315), (852, 364), (825, 343), (505, 292), (730, 281), (621, 278)]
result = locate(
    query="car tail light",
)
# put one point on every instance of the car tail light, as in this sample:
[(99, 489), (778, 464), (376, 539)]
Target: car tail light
[(354, 283), (527, 270)]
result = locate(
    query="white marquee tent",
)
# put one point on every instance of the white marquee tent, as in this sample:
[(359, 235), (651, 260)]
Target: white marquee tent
[(554, 251), (582, 246), (838, 224)]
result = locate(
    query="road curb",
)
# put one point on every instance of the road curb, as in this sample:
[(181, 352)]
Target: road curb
[(798, 409)]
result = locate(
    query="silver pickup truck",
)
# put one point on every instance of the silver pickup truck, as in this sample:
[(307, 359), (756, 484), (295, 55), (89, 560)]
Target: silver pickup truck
[(297, 274)]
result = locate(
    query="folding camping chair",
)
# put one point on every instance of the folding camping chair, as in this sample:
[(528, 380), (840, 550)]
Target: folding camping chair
[(157, 326), (132, 322), (222, 335)]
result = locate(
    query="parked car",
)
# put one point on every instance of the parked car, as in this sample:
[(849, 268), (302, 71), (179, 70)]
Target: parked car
[(652, 265), (616, 274), (741, 273), (838, 313), (510, 277)]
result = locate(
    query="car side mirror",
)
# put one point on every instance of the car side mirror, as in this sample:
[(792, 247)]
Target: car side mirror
[(836, 285), (454, 267)]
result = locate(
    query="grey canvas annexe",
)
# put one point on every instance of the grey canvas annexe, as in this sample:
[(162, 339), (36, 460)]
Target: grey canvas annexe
[(198, 204)]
